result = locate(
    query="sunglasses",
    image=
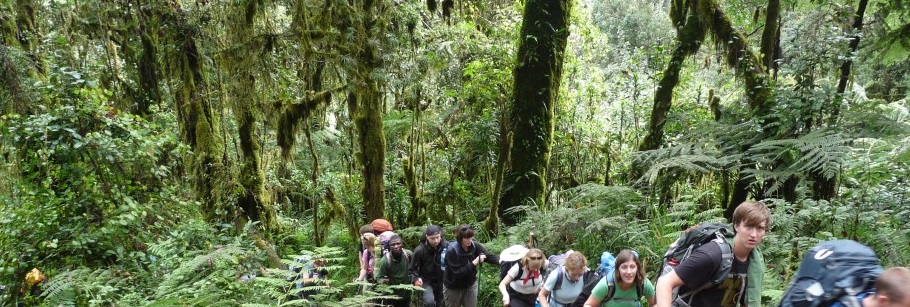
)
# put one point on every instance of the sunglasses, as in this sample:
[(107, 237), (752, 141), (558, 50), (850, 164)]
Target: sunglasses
[(537, 258)]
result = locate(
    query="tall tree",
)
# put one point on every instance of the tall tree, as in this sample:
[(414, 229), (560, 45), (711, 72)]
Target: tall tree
[(29, 34), (252, 198), (690, 35), (200, 126), (538, 73), (825, 187), (149, 90), (368, 22)]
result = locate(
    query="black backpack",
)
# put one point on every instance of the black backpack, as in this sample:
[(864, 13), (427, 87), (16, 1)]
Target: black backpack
[(692, 238), (833, 271)]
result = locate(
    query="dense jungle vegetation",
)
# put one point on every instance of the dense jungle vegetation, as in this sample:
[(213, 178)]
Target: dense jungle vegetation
[(176, 152)]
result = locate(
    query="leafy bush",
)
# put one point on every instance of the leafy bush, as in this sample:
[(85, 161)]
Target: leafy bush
[(90, 185)]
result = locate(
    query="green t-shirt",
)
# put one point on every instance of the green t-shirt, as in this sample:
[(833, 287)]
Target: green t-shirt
[(622, 298), (397, 272)]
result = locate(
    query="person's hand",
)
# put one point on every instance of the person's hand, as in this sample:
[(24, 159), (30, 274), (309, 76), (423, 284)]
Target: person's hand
[(418, 282), (505, 300), (479, 259)]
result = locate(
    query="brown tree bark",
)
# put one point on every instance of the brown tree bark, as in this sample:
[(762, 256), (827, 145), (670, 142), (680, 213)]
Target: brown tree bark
[(544, 32)]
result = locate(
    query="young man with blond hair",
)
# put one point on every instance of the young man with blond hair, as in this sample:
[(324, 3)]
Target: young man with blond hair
[(742, 287)]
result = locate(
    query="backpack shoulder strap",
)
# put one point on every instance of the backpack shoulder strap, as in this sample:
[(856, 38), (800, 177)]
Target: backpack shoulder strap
[(558, 284), (611, 290), (639, 289)]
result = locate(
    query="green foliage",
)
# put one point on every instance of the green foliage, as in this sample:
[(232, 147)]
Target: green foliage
[(92, 183)]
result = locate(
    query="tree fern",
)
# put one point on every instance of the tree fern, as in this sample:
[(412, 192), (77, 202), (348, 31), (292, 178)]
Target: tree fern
[(821, 151)]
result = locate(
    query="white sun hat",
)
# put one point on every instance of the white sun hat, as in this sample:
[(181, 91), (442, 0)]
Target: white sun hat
[(513, 253)]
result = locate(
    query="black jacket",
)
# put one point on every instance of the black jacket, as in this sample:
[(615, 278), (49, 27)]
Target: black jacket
[(460, 272), (426, 262)]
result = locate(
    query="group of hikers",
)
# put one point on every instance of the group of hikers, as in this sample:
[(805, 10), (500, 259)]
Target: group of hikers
[(710, 265)]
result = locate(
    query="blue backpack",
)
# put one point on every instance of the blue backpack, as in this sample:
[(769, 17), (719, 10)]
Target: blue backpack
[(442, 257), (833, 272)]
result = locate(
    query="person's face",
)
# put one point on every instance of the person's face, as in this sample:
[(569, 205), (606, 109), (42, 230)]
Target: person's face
[(750, 235), (627, 271), (575, 274), (434, 240), (395, 246), (466, 243), (536, 262)]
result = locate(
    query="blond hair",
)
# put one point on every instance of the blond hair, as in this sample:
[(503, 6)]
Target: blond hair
[(576, 260), (527, 262), (368, 240)]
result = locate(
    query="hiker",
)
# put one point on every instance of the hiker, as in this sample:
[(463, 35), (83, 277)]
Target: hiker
[(628, 287), (461, 262), (426, 269), (892, 288), (367, 257), (522, 282), (316, 274), (742, 287), (393, 270), (563, 287)]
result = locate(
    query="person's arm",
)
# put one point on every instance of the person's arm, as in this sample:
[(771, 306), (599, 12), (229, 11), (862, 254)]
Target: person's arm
[(505, 283), (649, 293), (592, 301), (459, 270), (664, 288), (414, 266), (490, 258), (379, 272), (599, 292), (364, 266), (542, 297)]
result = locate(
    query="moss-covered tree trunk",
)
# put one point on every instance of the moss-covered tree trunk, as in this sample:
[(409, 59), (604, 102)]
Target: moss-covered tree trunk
[(252, 198), (149, 89), (748, 66), (8, 24), (770, 36), (372, 148), (538, 72), (368, 23), (491, 224), (688, 41), (199, 126), (29, 34)]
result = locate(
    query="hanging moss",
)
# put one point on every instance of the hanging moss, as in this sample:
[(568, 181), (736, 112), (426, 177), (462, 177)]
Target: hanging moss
[(29, 35), (8, 25), (738, 54), (293, 114)]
